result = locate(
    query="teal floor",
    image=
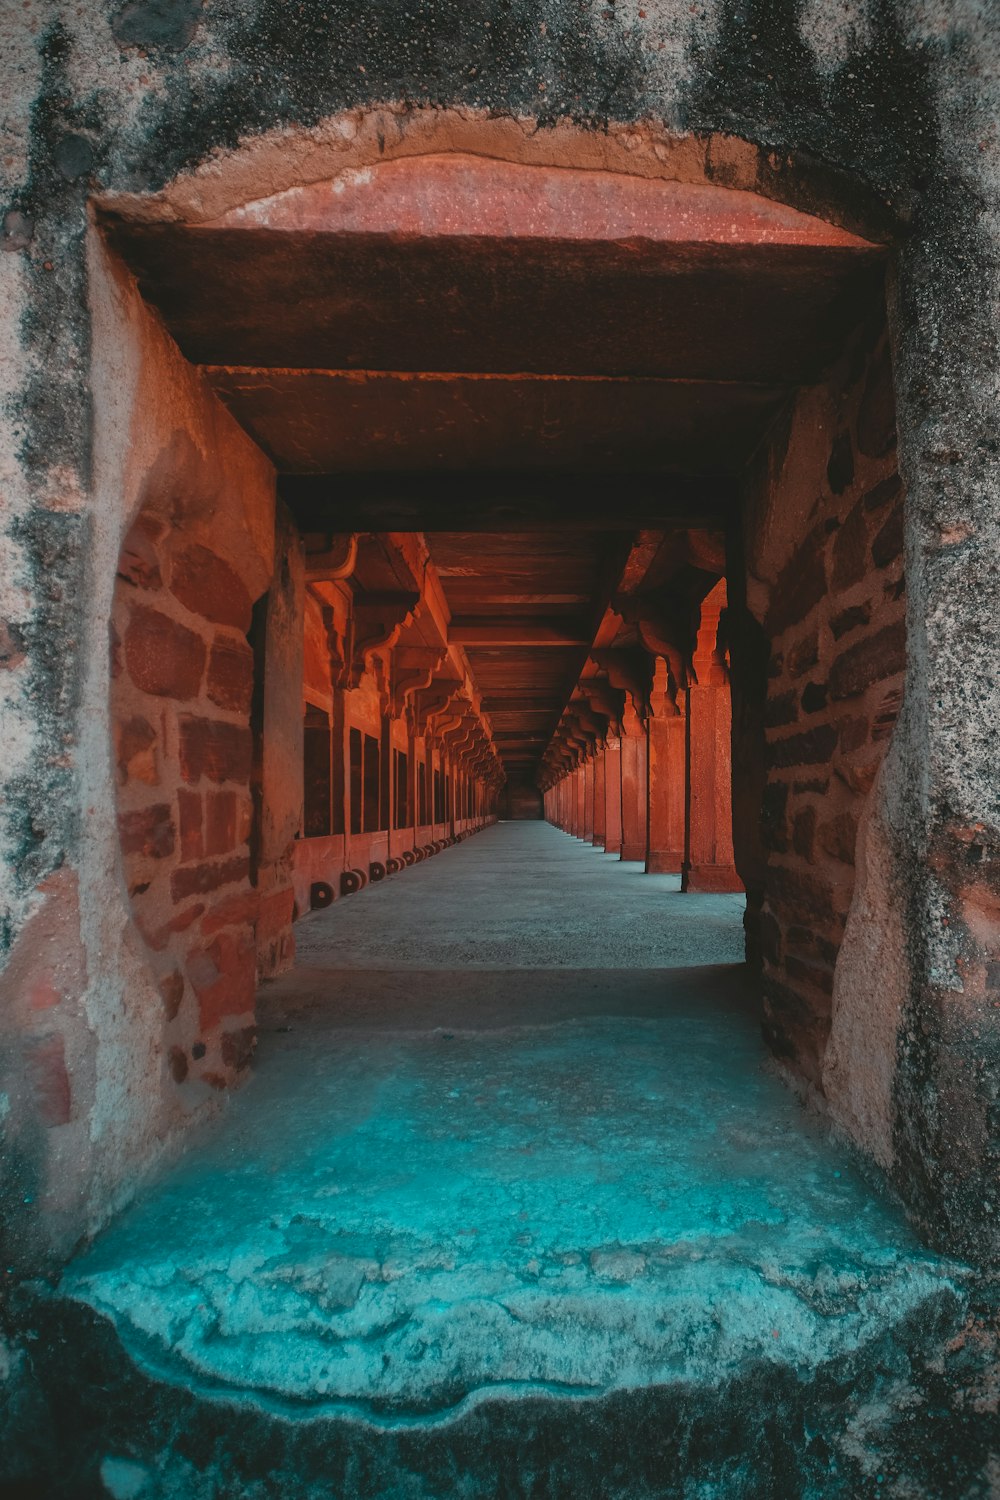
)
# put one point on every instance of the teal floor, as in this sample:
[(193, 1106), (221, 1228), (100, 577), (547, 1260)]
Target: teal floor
[(561, 1164)]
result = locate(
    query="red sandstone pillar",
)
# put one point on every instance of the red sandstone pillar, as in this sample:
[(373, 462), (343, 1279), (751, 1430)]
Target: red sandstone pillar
[(588, 800), (600, 805), (581, 802), (633, 759), (666, 777), (708, 863), (613, 796)]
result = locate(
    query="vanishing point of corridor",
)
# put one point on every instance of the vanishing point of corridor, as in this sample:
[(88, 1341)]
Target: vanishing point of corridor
[(512, 1145)]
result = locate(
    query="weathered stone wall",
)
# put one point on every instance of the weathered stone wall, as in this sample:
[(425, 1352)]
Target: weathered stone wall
[(181, 697), (823, 536), (882, 117)]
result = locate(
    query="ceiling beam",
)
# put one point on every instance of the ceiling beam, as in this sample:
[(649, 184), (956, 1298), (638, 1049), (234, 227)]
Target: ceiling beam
[(469, 632), (501, 502)]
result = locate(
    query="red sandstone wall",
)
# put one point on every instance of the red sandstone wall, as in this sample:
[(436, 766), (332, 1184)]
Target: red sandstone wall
[(823, 530)]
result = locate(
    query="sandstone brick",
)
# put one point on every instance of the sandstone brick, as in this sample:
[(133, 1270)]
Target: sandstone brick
[(804, 940), (850, 619), (853, 733), (780, 710), (198, 880), (135, 750), (215, 749), (806, 749), (880, 494), (208, 586), (48, 1078), (811, 786), (801, 586), (238, 1047), (839, 836), (148, 831), (860, 778), (221, 814), (172, 993), (807, 898), (163, 657), (804, 831), (815, 976), (224, 976), (803, 655), (881, 655), (275, 912), (814, 697), (850, 550), (234, 911), (189, 824), (230, 674), (888, 543)]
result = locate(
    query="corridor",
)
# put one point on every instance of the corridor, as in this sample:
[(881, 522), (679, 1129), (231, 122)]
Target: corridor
[(512, 1144)]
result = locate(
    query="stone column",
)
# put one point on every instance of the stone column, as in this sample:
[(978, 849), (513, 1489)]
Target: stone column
[(600, 804), (588, 800), (613, 796), (666, 773), (708, 862), (633, 762)]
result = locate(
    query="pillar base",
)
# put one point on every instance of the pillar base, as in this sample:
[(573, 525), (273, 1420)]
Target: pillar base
[(718, 878), (634, 851), (664, 862)]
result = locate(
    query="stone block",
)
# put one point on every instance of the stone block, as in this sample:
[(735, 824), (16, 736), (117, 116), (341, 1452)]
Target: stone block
[(149, 831), (814, 698), (804, 832), (888, 543), (881, 655), (209, 587), (214, 749), (781, 709), (881, 493), (172, 993), (163, 657), (230, 674), (135, 750), (810, 748), (839, 836), (850, 619), (800, 587), (238, 1047), (850, 550), (803, 655), (853, 733), (221, 822), (199, 880), (189, 824), (224, 977), (234, 911)]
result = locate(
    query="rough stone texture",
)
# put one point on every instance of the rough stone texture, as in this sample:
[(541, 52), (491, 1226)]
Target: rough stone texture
[(832, 613), (585, 1245)]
